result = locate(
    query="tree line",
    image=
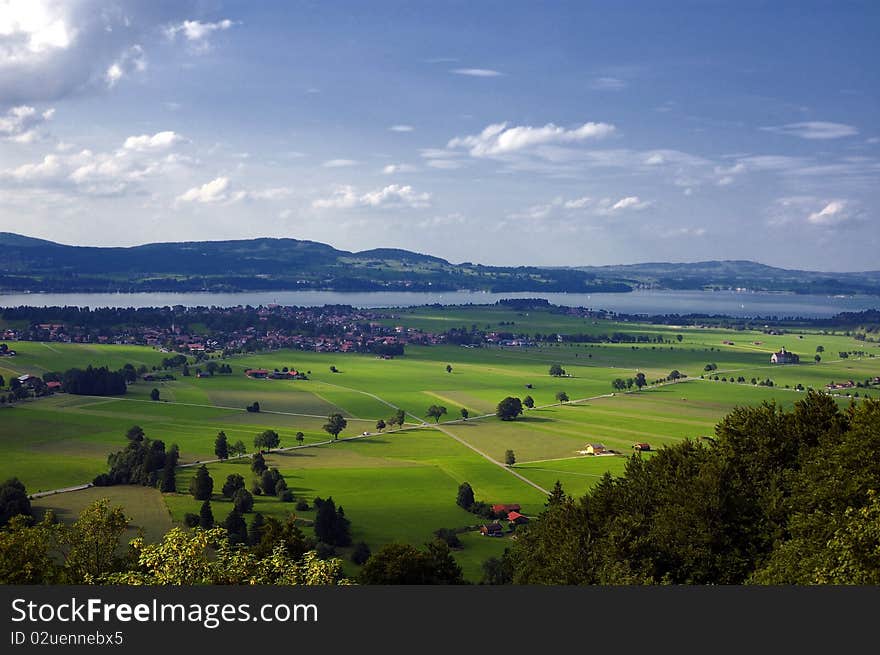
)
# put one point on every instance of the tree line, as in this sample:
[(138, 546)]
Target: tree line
[(775, 497)]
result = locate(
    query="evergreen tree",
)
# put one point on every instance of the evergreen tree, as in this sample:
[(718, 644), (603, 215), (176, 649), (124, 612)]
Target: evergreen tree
[(465, 498), (243, 501), (233, 483), (236, 528), (361, 553), (221, 446), (258, 465), (201, 486), (169, 477), (206, 516), (13, 500), (255, 531)]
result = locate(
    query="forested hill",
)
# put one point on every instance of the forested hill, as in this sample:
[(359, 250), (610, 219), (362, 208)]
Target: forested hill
[(28, 264), (262, 264), (738, 273)]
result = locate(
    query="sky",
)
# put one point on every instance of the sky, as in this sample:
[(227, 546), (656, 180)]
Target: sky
[(502, 133)]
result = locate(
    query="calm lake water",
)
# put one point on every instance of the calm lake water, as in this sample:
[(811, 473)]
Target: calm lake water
[(731, 303)]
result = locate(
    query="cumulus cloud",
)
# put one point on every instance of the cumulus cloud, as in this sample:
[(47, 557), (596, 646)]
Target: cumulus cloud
[(53, 48), (157, 141), (833, 212), (87, 172), (476, 72), (20, 123), (210, 192), (499, 139), (393, 195), (814, 130)]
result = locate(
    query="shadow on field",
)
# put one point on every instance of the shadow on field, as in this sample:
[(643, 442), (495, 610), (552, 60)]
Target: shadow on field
[(290, 453), (369, 440)]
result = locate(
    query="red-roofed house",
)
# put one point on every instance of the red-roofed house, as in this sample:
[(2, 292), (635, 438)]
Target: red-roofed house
[(504, 509), (517, 518), (258, 373)]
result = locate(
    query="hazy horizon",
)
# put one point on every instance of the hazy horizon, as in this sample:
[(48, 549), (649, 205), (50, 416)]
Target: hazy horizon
[(571, 134)]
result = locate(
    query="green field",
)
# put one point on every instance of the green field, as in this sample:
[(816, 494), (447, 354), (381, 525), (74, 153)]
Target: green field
[(401, 485)]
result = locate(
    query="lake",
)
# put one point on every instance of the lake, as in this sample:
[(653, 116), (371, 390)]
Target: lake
[(731, 303)]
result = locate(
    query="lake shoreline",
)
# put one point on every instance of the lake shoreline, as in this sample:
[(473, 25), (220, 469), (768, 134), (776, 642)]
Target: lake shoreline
[(644, 302)]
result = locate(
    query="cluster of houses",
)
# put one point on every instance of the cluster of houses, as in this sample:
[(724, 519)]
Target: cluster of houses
[(35, 382), (850, 384), (265, 374), (602, 449), (509, 512), (318, 329)]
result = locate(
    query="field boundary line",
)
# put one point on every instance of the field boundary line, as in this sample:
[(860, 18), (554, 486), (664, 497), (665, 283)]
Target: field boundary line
[(492, 460)]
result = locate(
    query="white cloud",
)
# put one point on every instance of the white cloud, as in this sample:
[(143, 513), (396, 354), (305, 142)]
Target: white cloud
[(86, 172), (499, 139), (210, 192), (50, 49), (20, 123), (157, 141), (630, 202), (131, 60), (831, 213), (796, 211), (401, 128), (391, 169), (339, 163), (46, 169), (31, 28), (393, 195), (476, 72), (814, 130), (608, 84), (578, 203), (196, 33), (610, 207)]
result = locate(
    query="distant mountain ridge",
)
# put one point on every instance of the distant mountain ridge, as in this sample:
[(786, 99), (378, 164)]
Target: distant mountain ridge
[(29, 264)]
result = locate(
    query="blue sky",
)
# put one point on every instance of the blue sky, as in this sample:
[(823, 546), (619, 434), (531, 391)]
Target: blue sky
[(495, 132)]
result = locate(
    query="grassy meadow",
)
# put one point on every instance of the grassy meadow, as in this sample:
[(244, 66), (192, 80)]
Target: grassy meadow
[(401, 485)]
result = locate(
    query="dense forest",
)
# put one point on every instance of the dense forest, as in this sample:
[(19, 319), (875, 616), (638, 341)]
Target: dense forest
[(775, 497)]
